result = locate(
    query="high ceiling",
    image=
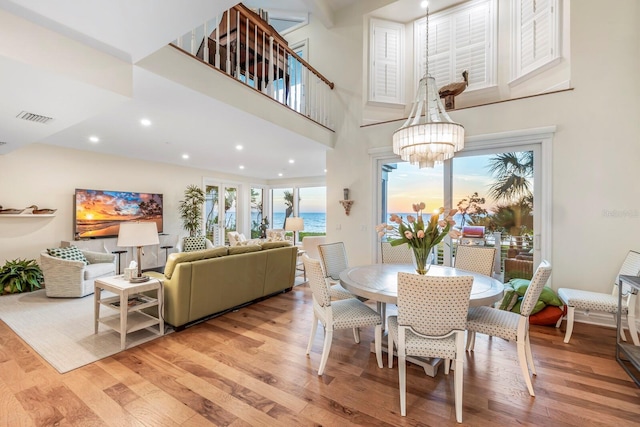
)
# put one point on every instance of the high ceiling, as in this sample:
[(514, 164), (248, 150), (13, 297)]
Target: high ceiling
[(182, 119)]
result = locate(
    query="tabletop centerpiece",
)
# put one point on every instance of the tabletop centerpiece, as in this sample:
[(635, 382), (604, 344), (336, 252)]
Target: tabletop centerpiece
[(420, 237)]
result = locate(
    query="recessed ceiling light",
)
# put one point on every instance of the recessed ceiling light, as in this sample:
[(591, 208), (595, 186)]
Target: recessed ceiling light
[(238, 147), (280, 174), (145, 122), (241, 167), (185, 156), (325, 171), (424, 4), (291, 161), (94, 139)]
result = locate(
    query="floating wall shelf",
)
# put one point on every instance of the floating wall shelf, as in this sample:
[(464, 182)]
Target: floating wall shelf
[(27, 215)]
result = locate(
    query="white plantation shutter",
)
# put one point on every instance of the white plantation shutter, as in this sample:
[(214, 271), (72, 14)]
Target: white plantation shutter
[(386, 71), (536, 24), (460, 38)]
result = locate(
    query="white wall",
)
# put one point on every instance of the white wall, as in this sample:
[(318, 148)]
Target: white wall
[(596, 208), (47, 176)]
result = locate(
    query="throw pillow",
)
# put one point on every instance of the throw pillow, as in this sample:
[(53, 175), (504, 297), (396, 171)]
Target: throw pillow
[(547, 316), (536, 308), (71, 253), (194, 244), (510, 298)]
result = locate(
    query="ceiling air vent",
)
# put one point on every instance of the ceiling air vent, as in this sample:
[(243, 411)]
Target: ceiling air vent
[(3, 143), (24, 115)]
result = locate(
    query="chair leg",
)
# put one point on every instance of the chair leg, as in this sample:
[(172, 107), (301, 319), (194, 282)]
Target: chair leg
[(378, 344), (457, 386), (390, 350), (382, 309), (530, 364), (522, 359), (471, 340), (447, 365), (314, 329), (356, 335), (559, 322), (328, 337), (623, 337), (570, 315), (402, 376)]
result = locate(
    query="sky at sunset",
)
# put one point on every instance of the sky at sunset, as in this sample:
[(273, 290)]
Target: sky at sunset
[(110, 205)]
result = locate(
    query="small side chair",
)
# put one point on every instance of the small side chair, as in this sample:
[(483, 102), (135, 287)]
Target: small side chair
[(348, 313), (607, 303)]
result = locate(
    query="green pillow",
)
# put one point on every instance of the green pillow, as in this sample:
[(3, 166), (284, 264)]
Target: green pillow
[(548, 296), (536, 308), (71, 253), (520, 285), (510, 298)]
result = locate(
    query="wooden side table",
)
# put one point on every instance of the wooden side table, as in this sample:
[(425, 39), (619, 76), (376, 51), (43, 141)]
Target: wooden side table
[(129, 301)]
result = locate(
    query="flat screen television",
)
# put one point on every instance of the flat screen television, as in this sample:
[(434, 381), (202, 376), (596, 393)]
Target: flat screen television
[(98, 213)]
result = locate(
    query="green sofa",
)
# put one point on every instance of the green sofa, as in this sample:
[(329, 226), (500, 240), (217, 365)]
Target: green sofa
[(200, 284)]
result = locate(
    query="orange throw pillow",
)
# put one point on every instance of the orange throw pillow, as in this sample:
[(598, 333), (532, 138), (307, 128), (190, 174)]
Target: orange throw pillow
[(547, 316)]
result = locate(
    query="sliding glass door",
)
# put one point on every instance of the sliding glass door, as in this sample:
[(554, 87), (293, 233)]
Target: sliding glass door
[(495, 190), (220, 211)]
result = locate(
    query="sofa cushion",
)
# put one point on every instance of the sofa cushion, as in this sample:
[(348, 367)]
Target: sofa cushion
[(71, 253), (93, 271), (272, 245), (234, 250), (178, 257), (196, 243)]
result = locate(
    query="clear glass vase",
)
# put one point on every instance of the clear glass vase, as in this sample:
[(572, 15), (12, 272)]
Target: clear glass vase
[(422, 259)]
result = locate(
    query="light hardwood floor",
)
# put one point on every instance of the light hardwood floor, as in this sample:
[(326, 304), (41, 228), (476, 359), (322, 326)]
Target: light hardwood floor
[(249, 368)]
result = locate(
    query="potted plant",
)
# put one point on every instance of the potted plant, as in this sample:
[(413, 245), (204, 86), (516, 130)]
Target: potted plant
[(191, 210), (20, 275)]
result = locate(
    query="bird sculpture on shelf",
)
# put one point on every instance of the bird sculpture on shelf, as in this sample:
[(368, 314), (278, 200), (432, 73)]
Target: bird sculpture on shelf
[(450, 91)]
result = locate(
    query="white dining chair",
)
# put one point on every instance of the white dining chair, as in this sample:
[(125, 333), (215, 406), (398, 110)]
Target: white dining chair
[(334, 261), (400, 254), (588, 301), (479, 259), (511, 326), (432, 314), (349, 313)]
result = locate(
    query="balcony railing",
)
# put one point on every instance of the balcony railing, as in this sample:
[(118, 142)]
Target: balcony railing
[(245, 47)]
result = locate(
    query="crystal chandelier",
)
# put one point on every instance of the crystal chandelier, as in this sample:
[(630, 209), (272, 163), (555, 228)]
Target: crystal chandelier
[(429, 136)]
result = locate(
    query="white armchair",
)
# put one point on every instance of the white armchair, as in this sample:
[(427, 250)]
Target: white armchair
[(64, 278)]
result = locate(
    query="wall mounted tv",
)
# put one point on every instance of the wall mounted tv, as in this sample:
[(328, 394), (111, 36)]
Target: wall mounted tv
[(98, 213)]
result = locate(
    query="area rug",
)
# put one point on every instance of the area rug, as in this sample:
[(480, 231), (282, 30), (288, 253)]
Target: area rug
[(61, 329)]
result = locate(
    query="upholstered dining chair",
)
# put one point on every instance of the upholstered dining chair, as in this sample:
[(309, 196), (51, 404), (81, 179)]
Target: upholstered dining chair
[(334, 261), (432, 314), (511, 326), (400, 254), (349, 313), (607, 303), (479, 259)]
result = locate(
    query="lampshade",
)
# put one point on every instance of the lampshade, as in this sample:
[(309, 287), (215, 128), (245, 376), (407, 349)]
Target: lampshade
[(294, 223), (138, 234), (429, 136)]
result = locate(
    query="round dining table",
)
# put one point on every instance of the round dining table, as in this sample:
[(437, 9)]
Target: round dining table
[(379, 282)]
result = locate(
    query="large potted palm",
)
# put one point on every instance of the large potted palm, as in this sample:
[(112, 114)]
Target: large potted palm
[(191, 214)]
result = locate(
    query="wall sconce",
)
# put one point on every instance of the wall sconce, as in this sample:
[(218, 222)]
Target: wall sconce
[(346, 203)]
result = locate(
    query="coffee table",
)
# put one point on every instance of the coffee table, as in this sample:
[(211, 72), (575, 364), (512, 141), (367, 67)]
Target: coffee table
[(129, 301)]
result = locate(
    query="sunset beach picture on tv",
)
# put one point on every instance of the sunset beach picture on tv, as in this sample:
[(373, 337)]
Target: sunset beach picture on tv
[(99, 213)]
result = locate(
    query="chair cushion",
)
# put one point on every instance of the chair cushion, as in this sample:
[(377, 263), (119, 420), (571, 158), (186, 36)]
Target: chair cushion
[(71, 253), (93, 271), (415, 345), (489, 321), (587, 300), (353, 313), (195, 243)]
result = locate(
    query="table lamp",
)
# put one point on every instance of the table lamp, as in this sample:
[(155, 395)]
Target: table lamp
[(137, 235), (294, 224)]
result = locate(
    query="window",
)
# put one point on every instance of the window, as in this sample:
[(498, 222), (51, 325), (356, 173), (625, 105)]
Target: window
[(312, 207), (460, 38), (257, 209), (536, 35), (386, 78)]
